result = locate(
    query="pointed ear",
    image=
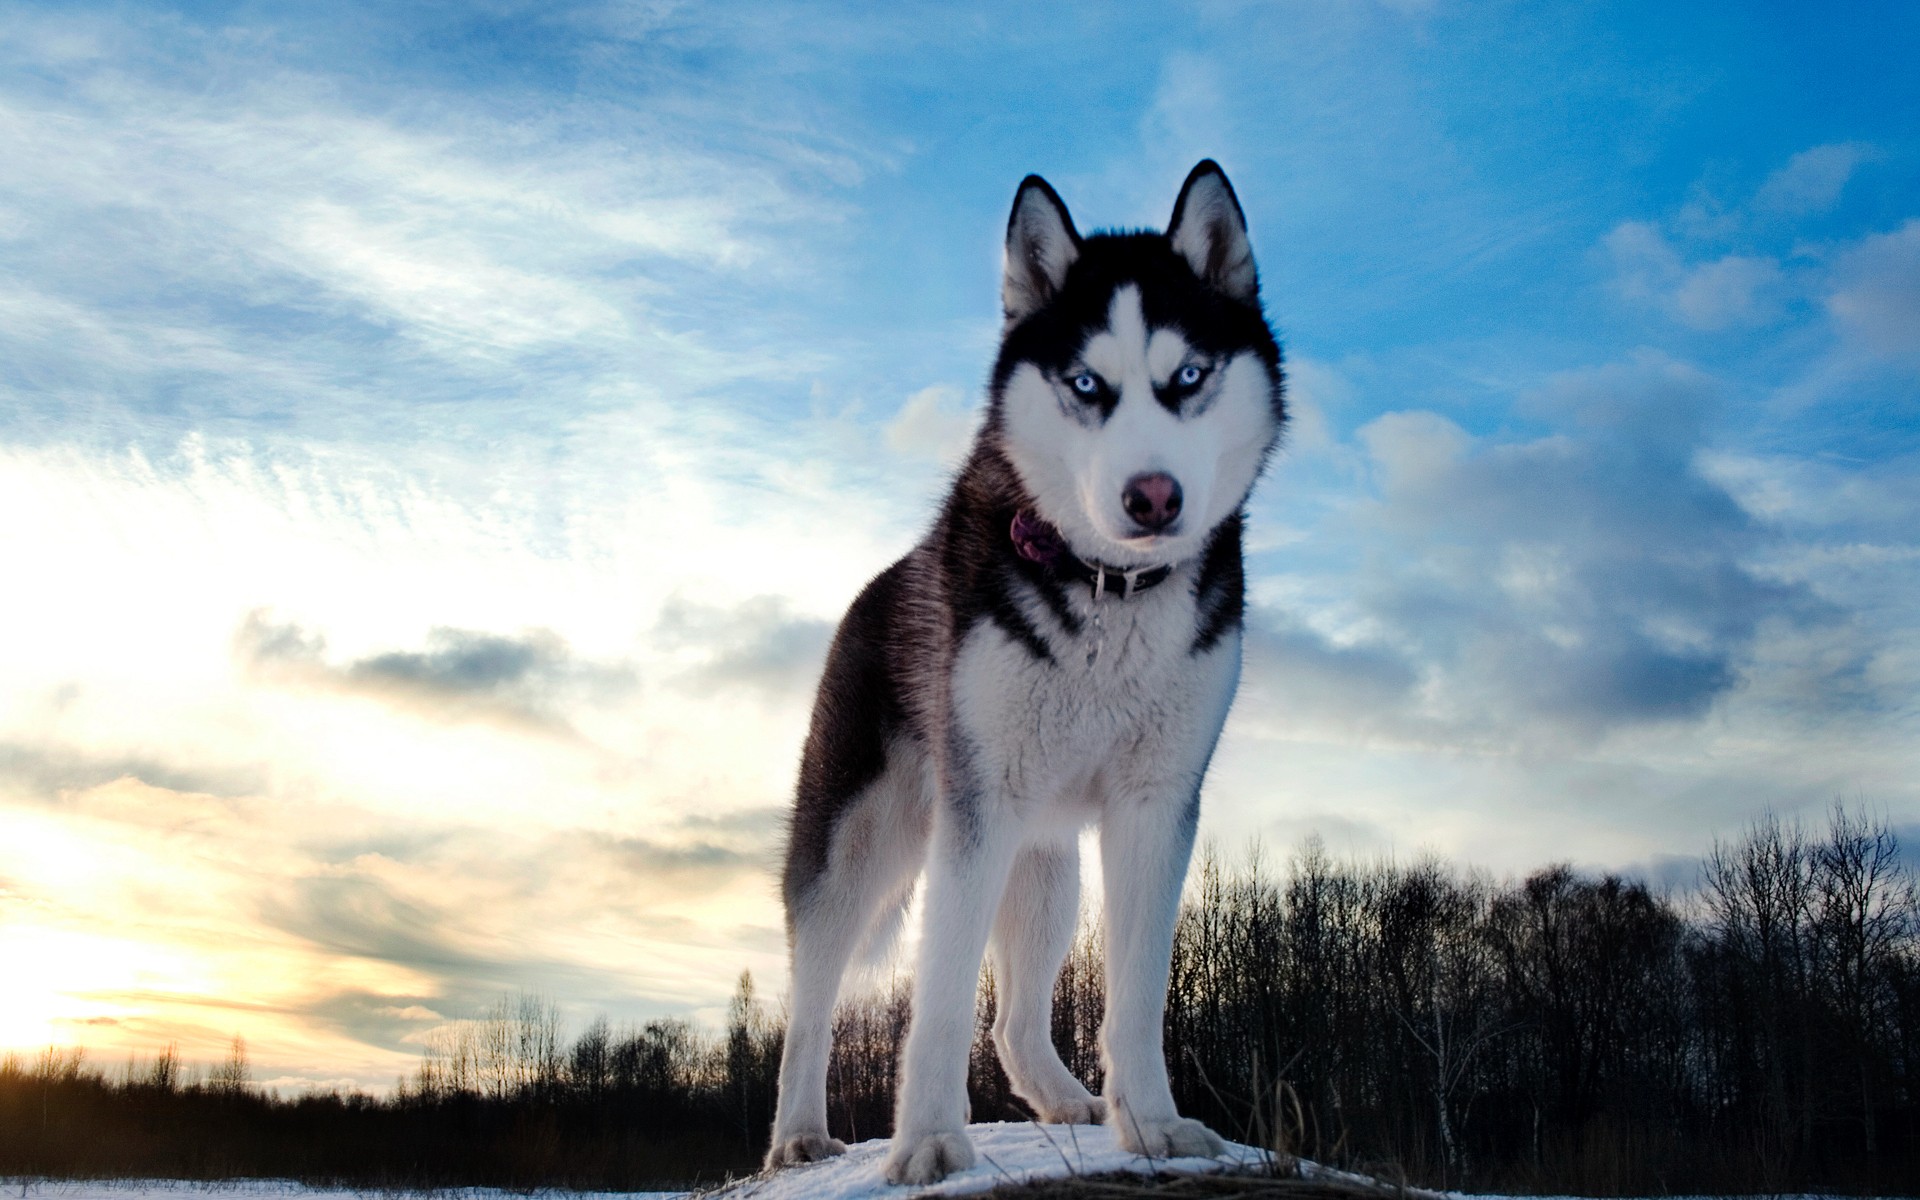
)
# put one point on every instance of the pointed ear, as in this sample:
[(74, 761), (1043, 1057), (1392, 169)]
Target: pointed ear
[(1210, 232), (1041, 245)]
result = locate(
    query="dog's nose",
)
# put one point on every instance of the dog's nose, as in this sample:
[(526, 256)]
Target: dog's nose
[(1152, 500)]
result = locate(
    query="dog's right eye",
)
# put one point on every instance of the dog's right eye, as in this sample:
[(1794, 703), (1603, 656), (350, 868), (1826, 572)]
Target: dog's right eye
[(1086, 383)]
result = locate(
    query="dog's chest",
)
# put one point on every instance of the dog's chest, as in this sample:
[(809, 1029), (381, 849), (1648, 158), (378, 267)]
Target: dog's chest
[(1123, 688)]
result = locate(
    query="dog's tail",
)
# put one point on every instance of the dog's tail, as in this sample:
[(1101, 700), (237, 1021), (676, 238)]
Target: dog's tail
[(882, 934)]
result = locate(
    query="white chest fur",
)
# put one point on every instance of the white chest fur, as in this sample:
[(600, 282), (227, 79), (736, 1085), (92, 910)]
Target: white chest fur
[(1057, 737)]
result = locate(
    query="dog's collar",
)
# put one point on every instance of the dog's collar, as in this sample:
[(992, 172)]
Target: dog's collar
[(1037, 541)]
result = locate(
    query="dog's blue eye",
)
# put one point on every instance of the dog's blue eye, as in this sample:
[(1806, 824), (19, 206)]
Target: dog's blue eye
[(1189, 375), (1086, 383)]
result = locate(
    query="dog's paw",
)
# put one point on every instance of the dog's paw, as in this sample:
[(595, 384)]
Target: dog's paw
[(802, 1148), (1181, 1137), (928, 1157), (1088, 1110)]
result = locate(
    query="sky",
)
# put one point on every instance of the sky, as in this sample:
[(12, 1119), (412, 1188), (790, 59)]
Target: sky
[(437, 441)]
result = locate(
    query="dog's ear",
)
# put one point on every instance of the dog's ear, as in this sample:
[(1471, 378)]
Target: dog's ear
[(1041, 245), (1210, 232)]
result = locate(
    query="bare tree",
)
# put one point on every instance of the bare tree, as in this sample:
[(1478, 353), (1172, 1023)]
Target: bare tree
[(750, 1061), (1861, 909), (1760, 894), (233, 1075), (1433, 952), (165, 1075)]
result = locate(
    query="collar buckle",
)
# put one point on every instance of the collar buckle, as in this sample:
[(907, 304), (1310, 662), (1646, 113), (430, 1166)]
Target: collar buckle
[(1129, 580)]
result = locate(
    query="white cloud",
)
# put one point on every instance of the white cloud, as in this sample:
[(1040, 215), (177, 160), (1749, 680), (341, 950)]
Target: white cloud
[(1646, 264), (1609, 637), (760, 644), (935, 423), (1413, 451), (1313, 389), (1877, 294), (1739, 290), (1553, 591), (178, 257), (1733, 290), (1812, 180), (443, 289)]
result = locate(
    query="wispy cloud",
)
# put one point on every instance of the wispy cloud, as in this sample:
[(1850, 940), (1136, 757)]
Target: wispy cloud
[(935, 423), (282, 249), (526, 678), (1734, 289), (1876, 297), (1812, 180), (760, 644)]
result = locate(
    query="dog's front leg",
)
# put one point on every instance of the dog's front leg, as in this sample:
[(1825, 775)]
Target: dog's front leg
[(973, 845), (1145, 841)]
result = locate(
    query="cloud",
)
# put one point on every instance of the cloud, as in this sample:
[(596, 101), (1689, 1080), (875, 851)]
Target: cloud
[(934, 423), (411, 1012), (47, 770), (1728, 291), (1567, 585), (760, 644), (290, 250), (597, 917), (1306, 679), (1812, 180), (1876, 298), (462, 674), (1734, 290), (754, 822), (505, 861), (362, 916), (461, 663), (657, 861)]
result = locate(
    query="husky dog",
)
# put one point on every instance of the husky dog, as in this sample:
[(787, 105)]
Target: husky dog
[(1060, 651)]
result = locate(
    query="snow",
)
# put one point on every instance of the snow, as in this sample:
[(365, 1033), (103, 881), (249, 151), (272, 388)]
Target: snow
[(1010, 1152), (270, 1189)]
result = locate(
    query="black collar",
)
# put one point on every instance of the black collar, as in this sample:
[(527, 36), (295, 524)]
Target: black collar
[(1125, 584), (1037, 541)]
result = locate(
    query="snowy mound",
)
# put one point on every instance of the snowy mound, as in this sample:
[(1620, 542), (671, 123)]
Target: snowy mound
[(1009, 1153)]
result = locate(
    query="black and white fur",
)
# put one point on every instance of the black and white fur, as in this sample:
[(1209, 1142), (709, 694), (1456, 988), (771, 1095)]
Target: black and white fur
[(982, 705)]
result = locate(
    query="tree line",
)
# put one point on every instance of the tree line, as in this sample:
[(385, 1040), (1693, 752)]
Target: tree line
[(497, 1100), (1566, 1032)]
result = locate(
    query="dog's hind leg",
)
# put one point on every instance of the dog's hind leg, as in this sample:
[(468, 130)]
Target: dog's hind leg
[(824, 934), (1031, 935), (876, 854)]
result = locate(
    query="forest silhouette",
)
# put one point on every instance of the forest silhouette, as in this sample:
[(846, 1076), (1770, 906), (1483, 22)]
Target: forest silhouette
[(1566, 1032)]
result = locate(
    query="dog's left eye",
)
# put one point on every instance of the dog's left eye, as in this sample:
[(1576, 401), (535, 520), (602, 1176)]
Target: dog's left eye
[(1086, 383), (1189, 375)]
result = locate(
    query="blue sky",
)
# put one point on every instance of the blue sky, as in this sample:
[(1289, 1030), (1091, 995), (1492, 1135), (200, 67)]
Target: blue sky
[(443, 437)]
